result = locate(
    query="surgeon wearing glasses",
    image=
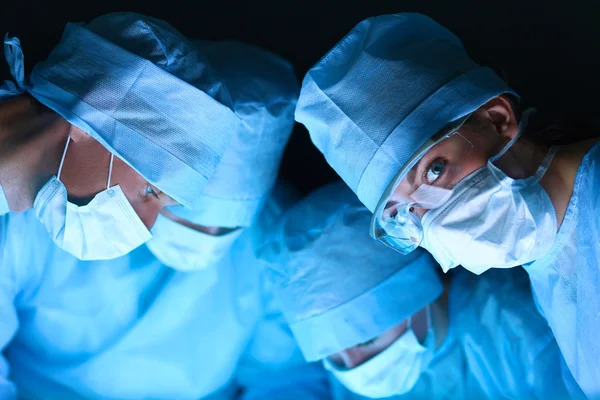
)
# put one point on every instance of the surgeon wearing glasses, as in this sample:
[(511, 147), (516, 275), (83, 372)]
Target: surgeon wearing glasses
[(435, 146)]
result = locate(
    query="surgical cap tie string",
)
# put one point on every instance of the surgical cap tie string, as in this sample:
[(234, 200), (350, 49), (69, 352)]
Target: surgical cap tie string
[(16, 64)]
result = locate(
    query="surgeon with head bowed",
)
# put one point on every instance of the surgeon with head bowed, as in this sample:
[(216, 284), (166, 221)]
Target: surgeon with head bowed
[(437, 148), (190, 314), (386, 324), (122, 119)]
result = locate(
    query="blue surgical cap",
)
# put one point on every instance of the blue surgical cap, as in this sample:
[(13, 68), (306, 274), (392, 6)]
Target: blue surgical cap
[(392, 83), (264, 90), (337, 286), (141, 89)]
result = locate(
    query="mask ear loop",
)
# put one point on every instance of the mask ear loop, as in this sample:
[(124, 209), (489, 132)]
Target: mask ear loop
[(522, 126), (110, 168), (62, 159), (429, 318), (430, 340), (543, 168)]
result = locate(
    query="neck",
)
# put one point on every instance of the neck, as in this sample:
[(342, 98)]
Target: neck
[(560, 178), (32, 138), (209, 230), (522, 159)]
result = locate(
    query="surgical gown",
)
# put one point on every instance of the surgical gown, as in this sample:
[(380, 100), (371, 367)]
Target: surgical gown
[(133, 328), (497, 345), (566, 282)]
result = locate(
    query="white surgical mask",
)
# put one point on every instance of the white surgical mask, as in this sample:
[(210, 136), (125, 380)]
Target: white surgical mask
[(492, 220), (3, 203), (186, 249), (392, 372), (106, 228)]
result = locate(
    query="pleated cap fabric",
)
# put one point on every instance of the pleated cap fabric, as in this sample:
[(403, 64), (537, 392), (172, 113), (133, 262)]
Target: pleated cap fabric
[(337, 286), (389, 85), (141, 89)]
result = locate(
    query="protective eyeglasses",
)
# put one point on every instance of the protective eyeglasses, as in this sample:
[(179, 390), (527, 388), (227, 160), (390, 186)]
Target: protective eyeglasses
[(424, 183)]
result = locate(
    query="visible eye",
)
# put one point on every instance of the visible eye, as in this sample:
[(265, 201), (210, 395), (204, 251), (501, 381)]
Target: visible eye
[(390, 212), (435, 170), (368, 343), (150, 191)]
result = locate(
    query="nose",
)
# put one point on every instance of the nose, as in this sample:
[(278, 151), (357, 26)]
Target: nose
[(418, 211), (353, 357)]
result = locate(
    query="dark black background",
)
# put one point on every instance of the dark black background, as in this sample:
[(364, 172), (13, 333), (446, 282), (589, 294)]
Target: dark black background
[(548, 51)]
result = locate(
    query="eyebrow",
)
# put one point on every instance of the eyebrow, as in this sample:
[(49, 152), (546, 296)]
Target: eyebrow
[(368, 342), (390, 204)]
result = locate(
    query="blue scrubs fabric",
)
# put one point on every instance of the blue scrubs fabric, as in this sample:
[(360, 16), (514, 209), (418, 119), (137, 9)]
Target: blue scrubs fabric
[(132, 328), (497, 345), (566, 282)]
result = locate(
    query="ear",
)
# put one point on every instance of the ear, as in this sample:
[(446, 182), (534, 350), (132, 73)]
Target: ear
[(77, 135), (499, 113)]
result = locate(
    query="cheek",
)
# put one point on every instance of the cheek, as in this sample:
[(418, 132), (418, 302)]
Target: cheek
[(85, 171), (133, 185), (472, 163), (402, 192), (485, 142), (125, 176), (147, 211), (357, 355)]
